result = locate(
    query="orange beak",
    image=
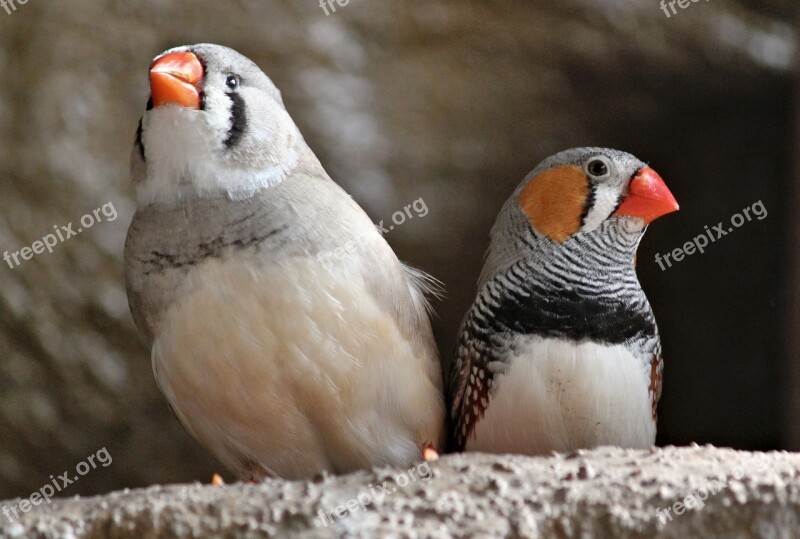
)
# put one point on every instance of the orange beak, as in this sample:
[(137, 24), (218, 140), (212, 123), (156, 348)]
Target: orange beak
[(648, 197), (174, 78)]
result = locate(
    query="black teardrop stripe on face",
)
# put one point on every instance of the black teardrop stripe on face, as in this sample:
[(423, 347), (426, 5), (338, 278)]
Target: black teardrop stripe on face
[(238, 120), (589, 204), (139, 143)]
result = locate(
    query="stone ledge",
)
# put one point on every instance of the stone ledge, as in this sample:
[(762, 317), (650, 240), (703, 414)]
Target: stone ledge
[(606, 492)]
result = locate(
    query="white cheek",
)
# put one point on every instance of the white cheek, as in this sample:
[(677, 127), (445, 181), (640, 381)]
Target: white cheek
[(605, 200), (218, 114)]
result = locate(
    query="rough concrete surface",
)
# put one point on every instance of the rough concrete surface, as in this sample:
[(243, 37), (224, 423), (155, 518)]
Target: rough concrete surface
[(607, 492)]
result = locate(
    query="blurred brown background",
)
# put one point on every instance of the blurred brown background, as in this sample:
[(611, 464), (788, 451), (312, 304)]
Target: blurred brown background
[(449, 100)]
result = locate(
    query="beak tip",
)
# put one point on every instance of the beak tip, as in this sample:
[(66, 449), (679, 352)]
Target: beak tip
[(648, 197), (174, 78)]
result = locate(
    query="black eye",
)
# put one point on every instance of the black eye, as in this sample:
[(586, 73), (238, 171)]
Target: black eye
[(232, 82), (597, 168)]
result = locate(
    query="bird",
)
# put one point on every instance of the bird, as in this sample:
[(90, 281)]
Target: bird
[(560, 350), (281, 360)]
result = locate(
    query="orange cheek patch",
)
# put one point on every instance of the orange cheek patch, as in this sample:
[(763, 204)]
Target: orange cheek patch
[(554, 201)]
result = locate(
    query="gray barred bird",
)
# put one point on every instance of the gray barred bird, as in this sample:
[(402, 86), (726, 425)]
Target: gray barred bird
[(560, 349), (278, 362)]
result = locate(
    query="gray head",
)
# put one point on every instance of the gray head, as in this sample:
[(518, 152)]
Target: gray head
[(215, 124), (574, 194)]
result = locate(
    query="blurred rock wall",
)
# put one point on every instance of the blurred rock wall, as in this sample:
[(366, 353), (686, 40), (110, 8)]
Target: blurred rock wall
[(451, 101)]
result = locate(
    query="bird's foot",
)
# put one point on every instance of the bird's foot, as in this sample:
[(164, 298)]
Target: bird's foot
[(429, 453)]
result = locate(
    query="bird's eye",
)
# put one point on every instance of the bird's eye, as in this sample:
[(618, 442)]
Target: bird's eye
[(232, 82), (597, 168)]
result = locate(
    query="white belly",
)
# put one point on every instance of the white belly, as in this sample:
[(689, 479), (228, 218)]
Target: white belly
[(559, 396), (295, 369)]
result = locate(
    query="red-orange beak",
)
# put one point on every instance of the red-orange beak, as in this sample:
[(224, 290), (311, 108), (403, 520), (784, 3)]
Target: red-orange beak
[(648, 197), (174, 78)]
